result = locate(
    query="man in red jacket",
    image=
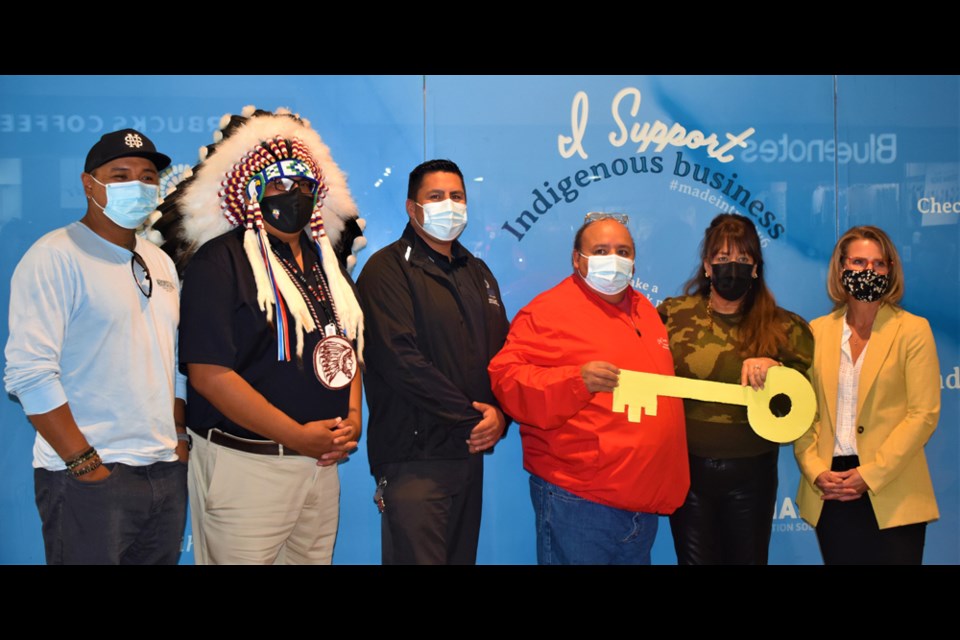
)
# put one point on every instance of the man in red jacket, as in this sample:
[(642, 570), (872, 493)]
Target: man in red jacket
[(597, 481)]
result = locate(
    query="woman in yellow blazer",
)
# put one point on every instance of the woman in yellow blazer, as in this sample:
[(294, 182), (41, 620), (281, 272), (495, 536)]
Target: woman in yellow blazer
[(865, 486)]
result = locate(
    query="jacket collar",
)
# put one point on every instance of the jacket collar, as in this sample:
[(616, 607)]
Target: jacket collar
[(424, 255), (308, 249), (828, 343), (885, 328), (612, 310)]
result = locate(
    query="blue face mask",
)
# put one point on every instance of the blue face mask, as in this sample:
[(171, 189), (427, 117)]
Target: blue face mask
[(128, 203), (608, 274), (445, 220)]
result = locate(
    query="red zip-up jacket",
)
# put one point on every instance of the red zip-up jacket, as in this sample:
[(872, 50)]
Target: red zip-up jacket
[(571, 437)]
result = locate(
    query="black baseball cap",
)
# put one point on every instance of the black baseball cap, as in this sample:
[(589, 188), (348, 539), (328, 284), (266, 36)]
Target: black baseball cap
[(121, 144)]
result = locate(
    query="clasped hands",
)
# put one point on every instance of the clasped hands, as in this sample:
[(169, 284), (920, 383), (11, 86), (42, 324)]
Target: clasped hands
[(841, 485)]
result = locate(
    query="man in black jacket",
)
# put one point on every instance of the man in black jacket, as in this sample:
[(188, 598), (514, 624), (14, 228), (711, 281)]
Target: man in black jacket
[(434, 319)]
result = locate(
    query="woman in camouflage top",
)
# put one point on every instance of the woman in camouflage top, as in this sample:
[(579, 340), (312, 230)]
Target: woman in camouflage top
[(728, 328)]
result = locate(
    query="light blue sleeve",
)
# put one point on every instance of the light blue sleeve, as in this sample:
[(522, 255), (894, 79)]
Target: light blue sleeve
[(41, 294)]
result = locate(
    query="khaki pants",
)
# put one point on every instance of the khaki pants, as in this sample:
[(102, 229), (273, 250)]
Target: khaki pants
[(255, 509)]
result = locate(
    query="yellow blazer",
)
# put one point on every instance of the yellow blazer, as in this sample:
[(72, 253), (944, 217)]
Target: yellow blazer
[(898, 406)]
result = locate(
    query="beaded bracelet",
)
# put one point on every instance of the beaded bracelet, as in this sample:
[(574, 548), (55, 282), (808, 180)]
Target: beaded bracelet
[(93, 466), (80, 459)]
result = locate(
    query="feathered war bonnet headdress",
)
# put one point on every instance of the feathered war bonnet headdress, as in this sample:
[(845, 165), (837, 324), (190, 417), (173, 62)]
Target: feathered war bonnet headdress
[(222, 193)]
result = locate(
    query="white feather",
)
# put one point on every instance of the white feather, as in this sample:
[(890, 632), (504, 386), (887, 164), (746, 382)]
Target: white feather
[(203, 220), (291, 296), (153, 236), (303, 321), (264, 291), (351, 317), (202, 217)]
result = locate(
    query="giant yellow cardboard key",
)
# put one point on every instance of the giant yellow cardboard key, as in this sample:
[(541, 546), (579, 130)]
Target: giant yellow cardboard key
[(639, 391)]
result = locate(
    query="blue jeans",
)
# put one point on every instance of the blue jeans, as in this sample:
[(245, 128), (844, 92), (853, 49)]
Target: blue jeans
[(134, 516), (573, 530)]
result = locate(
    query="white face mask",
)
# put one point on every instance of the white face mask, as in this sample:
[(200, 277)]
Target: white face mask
[(608, 274), (444, 220), (128, 203)]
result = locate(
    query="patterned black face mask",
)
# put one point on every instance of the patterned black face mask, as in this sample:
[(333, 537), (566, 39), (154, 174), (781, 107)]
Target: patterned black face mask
[(866, 285)]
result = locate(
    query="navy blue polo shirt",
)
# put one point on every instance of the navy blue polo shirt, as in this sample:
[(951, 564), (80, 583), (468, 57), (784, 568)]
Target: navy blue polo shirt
[(221, 323)]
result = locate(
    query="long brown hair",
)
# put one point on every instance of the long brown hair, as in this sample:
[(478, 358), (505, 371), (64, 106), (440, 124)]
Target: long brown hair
[(760, 332)]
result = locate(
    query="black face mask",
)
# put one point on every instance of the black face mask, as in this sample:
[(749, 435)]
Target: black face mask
[(866, 285), (287, 212), (731, 280)]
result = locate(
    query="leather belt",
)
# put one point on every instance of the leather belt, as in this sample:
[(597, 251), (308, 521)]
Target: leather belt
[(259, 447)]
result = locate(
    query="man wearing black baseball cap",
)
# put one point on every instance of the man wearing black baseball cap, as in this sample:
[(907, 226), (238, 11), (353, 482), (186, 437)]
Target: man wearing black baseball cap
[(94, 310), (126, 143)]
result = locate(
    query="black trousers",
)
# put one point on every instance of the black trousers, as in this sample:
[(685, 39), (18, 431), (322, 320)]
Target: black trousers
[(848, 532), (431, 511), (728, 513)]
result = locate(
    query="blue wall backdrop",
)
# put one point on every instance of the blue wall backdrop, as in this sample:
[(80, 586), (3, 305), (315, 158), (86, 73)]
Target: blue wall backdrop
[(804, 157)]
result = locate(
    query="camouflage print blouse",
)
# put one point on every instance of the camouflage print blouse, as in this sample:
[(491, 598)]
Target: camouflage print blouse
[(702, 343)]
